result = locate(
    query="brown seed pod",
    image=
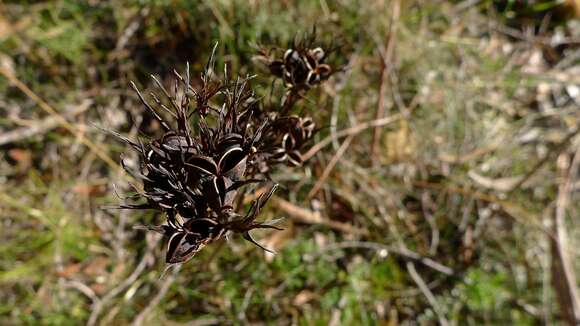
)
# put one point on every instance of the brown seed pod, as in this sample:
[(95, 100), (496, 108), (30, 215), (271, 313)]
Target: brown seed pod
[(302, 65)]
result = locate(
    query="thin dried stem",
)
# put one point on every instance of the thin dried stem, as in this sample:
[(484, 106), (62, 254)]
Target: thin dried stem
[(141, 319), (63, 122), (350, 131), (563, 276), (387, 67), (329, 167), (427, 292)]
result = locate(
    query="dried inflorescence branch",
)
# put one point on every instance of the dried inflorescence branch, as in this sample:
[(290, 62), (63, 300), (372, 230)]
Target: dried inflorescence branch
[(285, 138), (220, 141), (304, 64)]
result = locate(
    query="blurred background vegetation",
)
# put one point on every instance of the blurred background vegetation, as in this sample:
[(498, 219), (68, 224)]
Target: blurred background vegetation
[(457, 211)]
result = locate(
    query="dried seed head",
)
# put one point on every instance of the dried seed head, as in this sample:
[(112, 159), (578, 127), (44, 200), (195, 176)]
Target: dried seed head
[(194, 172), (285, 139), (219, 141), (301, 66)]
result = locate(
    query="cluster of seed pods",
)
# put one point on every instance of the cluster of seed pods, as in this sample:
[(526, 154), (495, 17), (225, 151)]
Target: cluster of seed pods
[(218, 140)]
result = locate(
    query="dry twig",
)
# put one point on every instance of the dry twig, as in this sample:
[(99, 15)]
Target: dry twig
[(354, 130), (386, 69), (563, 276), (303, 215), (556, 150), (329, 167), (425, 289), (100, 304), (142, 317)]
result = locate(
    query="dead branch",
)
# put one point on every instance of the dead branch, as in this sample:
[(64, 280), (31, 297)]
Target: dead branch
[(329, 167), (306, 216), (563, 277)]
